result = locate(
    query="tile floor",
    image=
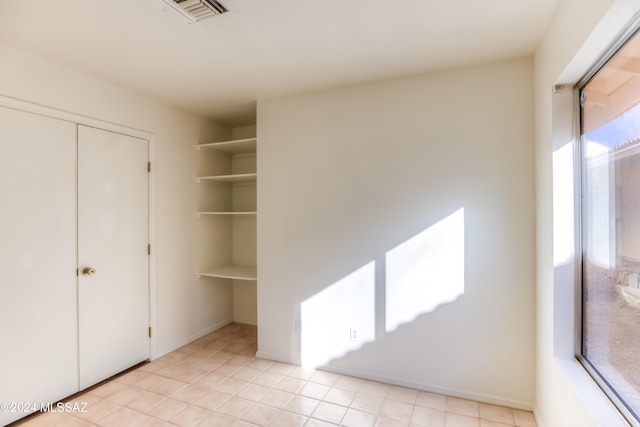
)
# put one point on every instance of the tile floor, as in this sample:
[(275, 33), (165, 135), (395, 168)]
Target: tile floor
[(217, 381)]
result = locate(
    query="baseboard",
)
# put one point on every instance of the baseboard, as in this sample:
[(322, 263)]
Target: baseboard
[(195, 337), (480, 397), (485, 398), (263, 355)]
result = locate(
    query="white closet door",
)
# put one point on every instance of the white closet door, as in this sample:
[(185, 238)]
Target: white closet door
[(112, 239), (38, 314)]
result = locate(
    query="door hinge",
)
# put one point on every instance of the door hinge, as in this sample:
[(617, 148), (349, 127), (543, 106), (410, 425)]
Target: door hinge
[(148, 166), (149, 331), (148, 249)]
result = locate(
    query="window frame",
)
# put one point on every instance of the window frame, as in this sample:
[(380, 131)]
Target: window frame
[(630, 31)]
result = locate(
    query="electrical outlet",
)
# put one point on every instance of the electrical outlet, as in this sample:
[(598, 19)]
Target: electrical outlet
[(355, 334)]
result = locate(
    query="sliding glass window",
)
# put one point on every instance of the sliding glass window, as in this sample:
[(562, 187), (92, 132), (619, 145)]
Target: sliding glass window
[(610, 222)]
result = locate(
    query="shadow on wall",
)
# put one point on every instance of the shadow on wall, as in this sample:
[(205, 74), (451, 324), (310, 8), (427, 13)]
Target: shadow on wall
[(419, 275)]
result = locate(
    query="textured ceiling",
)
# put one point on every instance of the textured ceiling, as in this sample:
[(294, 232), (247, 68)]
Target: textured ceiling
[(220, 66)]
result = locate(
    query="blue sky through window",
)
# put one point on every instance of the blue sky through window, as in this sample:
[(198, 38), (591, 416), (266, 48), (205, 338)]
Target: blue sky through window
[(623, 128)]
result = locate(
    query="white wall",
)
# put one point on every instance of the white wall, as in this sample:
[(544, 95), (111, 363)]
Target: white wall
[(577, 36), (442, 161), (186, 307)]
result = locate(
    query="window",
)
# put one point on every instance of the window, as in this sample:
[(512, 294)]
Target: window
[(610, 222)]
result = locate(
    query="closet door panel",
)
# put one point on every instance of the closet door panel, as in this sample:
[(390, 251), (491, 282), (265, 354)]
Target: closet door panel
[(113, 234), (38, 307)]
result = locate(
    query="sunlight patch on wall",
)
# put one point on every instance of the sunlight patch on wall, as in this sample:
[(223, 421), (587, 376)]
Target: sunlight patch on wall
[(425, 271), (563, 205), (338, 319)]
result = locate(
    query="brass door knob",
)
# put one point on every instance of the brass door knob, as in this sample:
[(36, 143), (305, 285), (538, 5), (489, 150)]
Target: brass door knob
[(88, 271)]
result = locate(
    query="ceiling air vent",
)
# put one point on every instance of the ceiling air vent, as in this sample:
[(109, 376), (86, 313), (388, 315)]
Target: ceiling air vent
[(197, 10)]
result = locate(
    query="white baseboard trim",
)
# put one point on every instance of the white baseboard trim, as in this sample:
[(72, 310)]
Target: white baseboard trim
[(194, 337), (275, 358), (480, 397)]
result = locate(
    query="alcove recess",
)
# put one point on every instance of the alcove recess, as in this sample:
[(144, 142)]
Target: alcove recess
[(227, 212)]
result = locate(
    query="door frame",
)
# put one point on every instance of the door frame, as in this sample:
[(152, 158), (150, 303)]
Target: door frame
[(28, 107)]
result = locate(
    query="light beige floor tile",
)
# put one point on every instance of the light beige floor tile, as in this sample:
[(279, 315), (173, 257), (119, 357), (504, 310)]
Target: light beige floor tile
[(190, 361), (217, 381), (289, 384), (47, 419), (302, 405), (149, 381), (167, 409), (314, 390), (326, 378), (260, 415), (190, 416), (366, 402), (74, 422), (246, 374), (108, 389), (276, 398), (318, 423), (340, 396), (240, 360), (428, 417), (260, 364), (457, 420), (234, 407), (226, 370), (288, 419), (280, 368), (391, 422), (145, 402), (268, 379), (119, 417), (209, 380), (349, 383), (524, 418), (208, 364), (189, 375), (154, 366), (168, 387), (253, 392), (463, 407), (500, 414), (131, 377), (125, 396), (488, 423), (302, 373), (86, 400), (172, 357), (97, 411), (218, 420), (212, 400), (395, 409), (431, 400), (242, 423), (230, 385), (357, 418), (189, 394), (329, 412), (146, 421), (374, 388), (402, 394), (169, 371)]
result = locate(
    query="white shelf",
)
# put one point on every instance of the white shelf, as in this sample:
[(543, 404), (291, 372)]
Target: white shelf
[(242, 177), (242, 214), (241, 272), (237, 146)]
